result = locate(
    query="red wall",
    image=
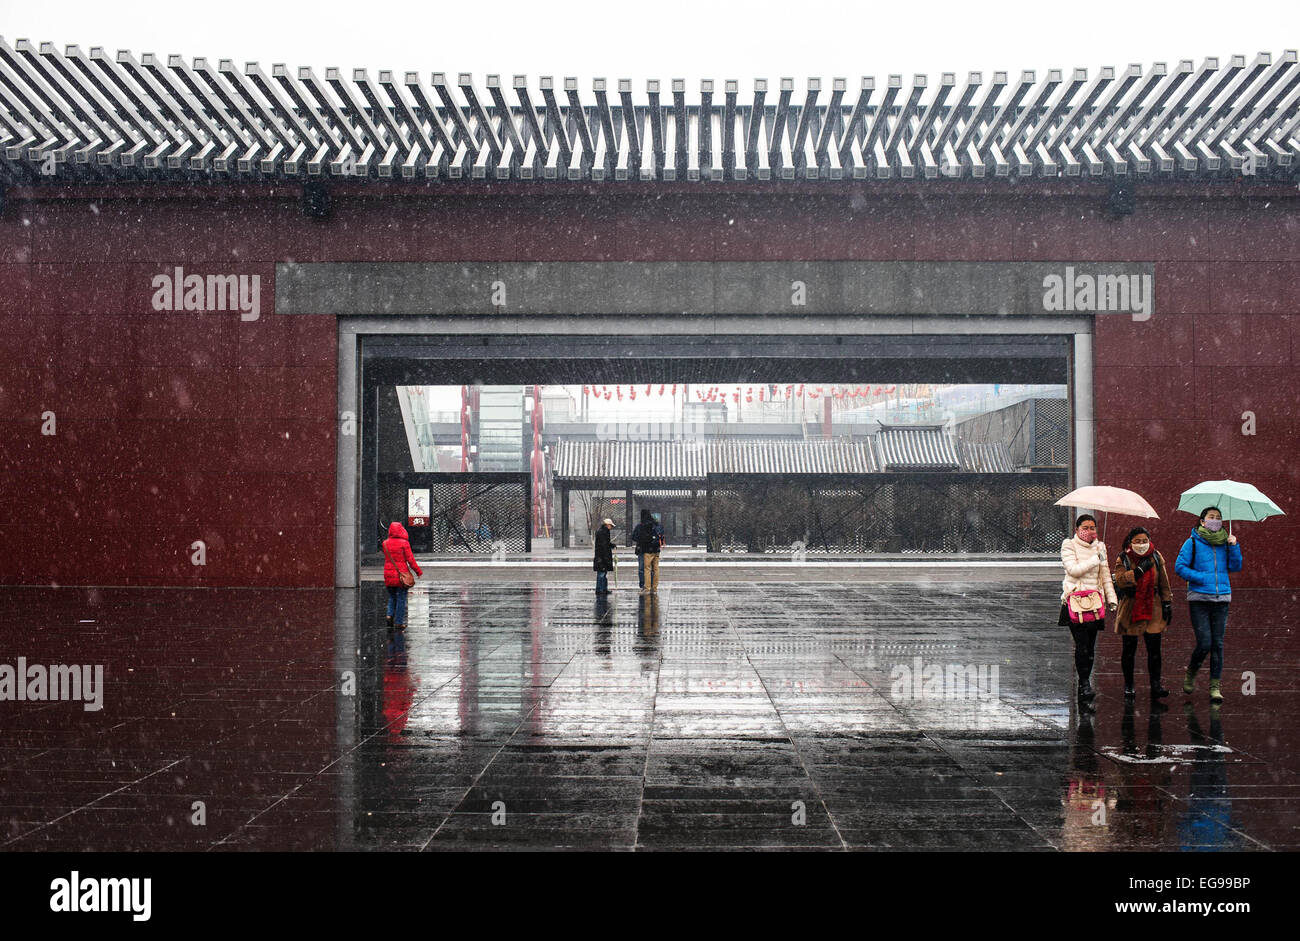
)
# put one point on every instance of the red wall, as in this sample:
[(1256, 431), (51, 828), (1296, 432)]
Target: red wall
[(181, 426), (171, 427)]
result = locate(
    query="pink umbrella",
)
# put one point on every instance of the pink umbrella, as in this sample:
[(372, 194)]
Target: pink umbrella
[(1109, 500)]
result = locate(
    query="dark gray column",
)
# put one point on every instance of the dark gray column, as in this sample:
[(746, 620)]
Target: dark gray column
[(564, 517), (695, 520), (709, 535), (528, 513)]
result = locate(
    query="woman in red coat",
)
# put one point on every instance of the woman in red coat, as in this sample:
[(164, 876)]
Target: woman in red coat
[(397, 558)]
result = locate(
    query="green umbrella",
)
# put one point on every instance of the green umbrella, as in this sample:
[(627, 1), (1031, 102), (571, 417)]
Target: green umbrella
[(1236, 500)]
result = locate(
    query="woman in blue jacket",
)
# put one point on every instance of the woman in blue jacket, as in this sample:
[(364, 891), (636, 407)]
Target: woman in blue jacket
[(1204, 562)]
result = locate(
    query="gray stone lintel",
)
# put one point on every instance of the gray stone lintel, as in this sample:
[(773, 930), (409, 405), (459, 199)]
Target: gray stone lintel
[(704, 288)]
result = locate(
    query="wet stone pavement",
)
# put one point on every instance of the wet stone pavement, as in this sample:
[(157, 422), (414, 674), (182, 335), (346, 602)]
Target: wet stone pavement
[(889, 712)]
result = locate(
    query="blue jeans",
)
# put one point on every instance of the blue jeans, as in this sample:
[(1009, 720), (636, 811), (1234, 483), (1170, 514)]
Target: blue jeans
[(397, 604), (602, 581), (1209, 621)]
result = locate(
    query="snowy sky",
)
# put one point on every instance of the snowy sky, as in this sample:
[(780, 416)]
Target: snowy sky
[(690, 39)]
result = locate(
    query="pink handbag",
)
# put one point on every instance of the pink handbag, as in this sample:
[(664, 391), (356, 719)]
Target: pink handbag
[(1086, 606)]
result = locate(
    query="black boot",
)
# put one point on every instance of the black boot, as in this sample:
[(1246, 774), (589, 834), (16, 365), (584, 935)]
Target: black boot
[(1155, 663), (1084, 639), (1084, 666), (1127, 655)]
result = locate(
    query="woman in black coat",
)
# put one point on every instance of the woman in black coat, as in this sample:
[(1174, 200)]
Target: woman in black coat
[(603, 563)]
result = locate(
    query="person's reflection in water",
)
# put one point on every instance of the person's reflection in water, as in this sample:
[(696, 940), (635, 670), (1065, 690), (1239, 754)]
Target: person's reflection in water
[(647, 622), (1207, 824), (604, 625), (1087, 805), (1156, 731), (1142, 793), (394, 643), (1128, 729), (399, 690)]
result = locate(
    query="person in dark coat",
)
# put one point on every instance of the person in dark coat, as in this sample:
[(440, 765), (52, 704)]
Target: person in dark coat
[(398, 558), (603, 563)]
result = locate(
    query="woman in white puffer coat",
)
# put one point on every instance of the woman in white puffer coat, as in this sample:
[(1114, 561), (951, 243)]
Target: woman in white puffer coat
[(1084, 557)]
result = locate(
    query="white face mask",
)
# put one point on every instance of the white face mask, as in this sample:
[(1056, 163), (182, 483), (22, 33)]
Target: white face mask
[(1141, 548)]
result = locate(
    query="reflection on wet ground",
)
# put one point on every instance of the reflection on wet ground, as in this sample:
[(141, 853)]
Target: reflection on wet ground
[(916, 713)]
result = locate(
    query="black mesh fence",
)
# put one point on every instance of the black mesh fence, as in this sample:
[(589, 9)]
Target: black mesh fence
[(468, 513), (917, 513), (1051, 431)]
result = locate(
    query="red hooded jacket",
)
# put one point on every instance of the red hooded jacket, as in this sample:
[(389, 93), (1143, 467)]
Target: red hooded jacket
[(397, 548)]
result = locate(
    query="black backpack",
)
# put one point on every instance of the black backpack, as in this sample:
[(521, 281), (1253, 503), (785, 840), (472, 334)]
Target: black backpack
[(647, 537)]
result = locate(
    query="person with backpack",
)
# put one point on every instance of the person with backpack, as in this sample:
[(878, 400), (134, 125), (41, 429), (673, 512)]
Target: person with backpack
[(640, 559), (1204, 562), (398, 562), (1145, 608), (648, 536), (1086, 593)]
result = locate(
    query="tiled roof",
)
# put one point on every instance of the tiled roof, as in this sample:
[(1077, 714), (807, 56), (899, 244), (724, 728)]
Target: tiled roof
[(980, 458), (896, 449), (918, 449), (631, 460), (825, 456)]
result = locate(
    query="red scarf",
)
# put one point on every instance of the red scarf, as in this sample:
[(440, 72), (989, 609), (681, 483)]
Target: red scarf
[(1144, 600)]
